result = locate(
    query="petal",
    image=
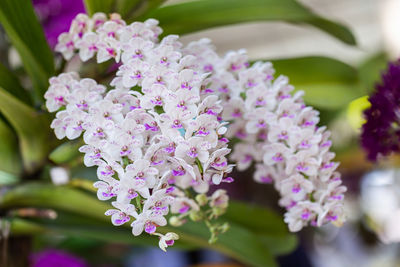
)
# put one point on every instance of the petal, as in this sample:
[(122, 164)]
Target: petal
[(111, 212)]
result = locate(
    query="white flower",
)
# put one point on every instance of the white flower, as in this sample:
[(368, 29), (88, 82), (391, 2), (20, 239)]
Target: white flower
[(136, 48), (97, 128), (210, 105), (265, 174), (219, 199), (165, 56), (194, 147), (59, 125), (261, 119), (154, 96), (79, 25), (183, 173), (225, 83), (296, 187), (74, 122), (282, 130), (130, 187), (205, 126), (160, 75), (97, 20), (135, 30), (107, 49), (109, 30), (132, 73), (176, 119), (234, 61), (160, 200), (243, 154), (88, 45), (147, 221), (65, 45), (183, 205), (217, 166), (167, 240), (56, 97), (260, 97), (93, 155), (122, 214), (276, 153), (108, 168), (302, 162), (301, 214), (183, 100), (234, 109), (107, 188), (142, 169)]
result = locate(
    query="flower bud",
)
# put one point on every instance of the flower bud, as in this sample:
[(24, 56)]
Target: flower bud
[(225, 227), (175, 221), (195, 215), (217, 211), (201, 199)]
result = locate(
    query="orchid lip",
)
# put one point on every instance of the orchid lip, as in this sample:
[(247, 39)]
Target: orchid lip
[(150, 227), (178, 172), (184, 209), (169, 242), (266, 179)]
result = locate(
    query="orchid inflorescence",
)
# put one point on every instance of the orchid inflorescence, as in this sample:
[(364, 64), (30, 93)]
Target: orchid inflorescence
[(160, 138)]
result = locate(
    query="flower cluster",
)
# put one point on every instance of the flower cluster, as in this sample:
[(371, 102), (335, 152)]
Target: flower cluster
[(381, 132), (160, 137), (155, 140), (278, 132)]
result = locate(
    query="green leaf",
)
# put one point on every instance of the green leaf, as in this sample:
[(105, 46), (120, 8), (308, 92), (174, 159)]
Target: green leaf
[(371, 70), (25, 33), (142, 7), (239, 242), (8, 178), (31, 127), (128, 9), (9, 155), (55, 197), (258, 219), (93, 6), (125, 7), (11, 83), (279, 245), (25, 227), (199, 15), (66, 152), (322, 79), (264, 223)]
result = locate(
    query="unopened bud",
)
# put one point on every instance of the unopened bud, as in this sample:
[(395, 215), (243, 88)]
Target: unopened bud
[(175, 221), (218, 211), (202, 199), (195, 215), (225, 227)]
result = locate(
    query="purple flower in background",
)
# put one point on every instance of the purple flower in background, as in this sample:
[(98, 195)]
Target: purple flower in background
[(56, 16), (52, 258), (381, 132)]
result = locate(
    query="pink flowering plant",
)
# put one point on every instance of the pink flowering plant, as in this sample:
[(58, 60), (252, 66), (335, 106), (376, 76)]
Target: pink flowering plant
[(164, 126)]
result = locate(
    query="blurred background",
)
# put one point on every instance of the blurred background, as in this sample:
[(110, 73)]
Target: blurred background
[(371, 235)]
